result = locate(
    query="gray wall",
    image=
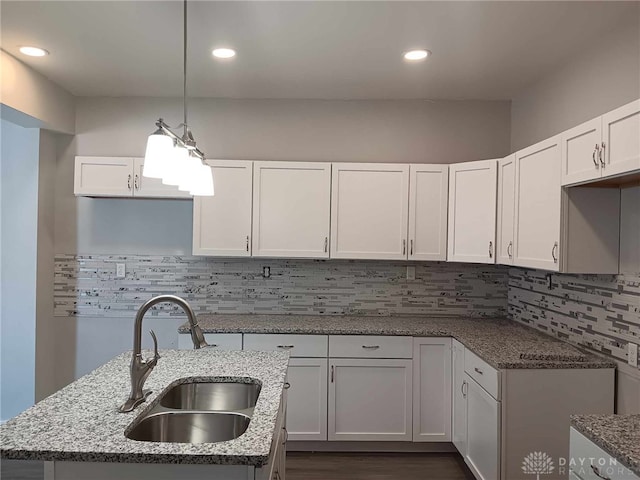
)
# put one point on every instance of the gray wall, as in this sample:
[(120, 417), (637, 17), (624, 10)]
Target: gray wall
[(19, 209), (605, 76)]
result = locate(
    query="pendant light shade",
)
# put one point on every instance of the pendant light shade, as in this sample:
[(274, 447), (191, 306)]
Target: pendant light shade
[(204, 182), (159, 148), (177, 159), (189, 174)]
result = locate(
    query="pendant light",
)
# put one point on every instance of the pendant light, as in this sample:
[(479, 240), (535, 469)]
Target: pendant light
[(177, 160)]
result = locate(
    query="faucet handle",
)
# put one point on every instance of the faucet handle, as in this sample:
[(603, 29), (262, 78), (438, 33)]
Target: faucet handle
[(156, 355)]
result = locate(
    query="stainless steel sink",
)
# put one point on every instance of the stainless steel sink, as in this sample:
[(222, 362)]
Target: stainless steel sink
[(190, 427), (214, 396)]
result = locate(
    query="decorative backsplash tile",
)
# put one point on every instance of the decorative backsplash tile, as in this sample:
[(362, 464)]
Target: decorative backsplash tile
[(86, 286), (601, 312)]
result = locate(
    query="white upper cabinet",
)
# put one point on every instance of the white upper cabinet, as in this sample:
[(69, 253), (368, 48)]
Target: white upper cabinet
[(621, 137), (428, 198), (369, 211), (581, 152), (222, 223), (506, 205), (118, 177), (103, 176), (603, 147), (472, 211), (153, 187), (538, 206), (291, 208)]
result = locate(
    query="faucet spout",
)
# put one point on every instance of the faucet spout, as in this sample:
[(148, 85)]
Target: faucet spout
[(141, 368)]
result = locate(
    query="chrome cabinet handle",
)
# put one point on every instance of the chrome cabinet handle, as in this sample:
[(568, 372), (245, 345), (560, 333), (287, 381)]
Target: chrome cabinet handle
[(478, 370), (404, 247), (286, 436), (463, 389), (601, 155), (490, 249), (411, 248), (371, 347), (286, 347), (596, 151), (554, 252), (326, 244), (135, 182), (597, 472), (247, 243), (332, 372), (129, 182), (509, 249)]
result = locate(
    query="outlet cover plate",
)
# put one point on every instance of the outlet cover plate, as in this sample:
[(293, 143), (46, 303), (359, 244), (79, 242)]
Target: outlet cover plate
[(120, 270), (633, 354)]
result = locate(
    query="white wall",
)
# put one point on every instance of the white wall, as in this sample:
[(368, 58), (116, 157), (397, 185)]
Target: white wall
[(605, 76), (19, 208), (27, 91)]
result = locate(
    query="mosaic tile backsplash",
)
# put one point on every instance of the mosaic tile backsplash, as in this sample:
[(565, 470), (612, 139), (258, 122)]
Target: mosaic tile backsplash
[(85, 285), (601, 312)]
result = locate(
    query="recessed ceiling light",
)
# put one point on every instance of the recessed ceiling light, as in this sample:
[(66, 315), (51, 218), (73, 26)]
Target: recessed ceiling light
[(34, 51), (224, 53), (416, 54)]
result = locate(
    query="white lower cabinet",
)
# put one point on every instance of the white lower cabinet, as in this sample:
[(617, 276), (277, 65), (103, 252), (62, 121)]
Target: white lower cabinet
[(432, 389), (587, 461), (483, 432), (459, 399), (370, 399), (307, 402)]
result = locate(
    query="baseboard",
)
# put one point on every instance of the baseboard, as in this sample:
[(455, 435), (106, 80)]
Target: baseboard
[(369, 447)]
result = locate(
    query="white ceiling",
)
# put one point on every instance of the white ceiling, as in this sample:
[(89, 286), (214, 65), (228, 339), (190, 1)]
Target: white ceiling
[(321, 49)]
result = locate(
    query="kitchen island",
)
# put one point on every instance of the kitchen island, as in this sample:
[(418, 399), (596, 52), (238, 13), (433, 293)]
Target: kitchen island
[(80, 430)]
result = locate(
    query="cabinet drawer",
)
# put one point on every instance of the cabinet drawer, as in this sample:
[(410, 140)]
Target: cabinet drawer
[(584, 453), (217, 341), (483, 373), (297, 345), (373, 346)]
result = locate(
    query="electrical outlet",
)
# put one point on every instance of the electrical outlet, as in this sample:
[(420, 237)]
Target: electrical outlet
[(411, 272), (633, 354), (266, 272), (120, 270)]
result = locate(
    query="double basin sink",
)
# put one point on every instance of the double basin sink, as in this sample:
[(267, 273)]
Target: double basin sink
[(199, 412)]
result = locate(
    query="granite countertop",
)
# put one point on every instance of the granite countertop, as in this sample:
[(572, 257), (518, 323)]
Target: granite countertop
[(500, 342), (81, 421), (618, 435)]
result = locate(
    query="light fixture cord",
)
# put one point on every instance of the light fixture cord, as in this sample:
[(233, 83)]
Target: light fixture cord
[(184, 64)]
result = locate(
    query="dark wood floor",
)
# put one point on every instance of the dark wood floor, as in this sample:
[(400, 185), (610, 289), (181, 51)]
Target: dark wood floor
[(327, 466), (376, 466)]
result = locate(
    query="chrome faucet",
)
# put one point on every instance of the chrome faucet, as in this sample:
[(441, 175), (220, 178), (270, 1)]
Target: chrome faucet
[(141, 368)]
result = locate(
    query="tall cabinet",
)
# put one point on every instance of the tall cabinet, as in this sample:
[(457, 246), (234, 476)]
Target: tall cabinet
[(472, 212)]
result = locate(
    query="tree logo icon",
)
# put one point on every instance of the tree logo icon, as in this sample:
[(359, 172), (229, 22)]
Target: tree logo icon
[(537, 463)]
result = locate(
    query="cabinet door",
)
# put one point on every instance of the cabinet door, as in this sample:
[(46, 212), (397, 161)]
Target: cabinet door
[(622, 139), (483, 432), (370, 399), (369, 204), (222, 223), (153, 187), (459, 393), (581, 152), (291, 206), (307, 402), (103, 177), (506, 207), (428, 198), (432, 389), (472, 211), (538, 206)]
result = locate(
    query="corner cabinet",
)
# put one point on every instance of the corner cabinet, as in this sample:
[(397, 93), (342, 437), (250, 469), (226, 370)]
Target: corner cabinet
[(472, 212), (428, 200), (538, 206), (222, 223), (432, 389), (291, 208), (118, 177), (369, 211)]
